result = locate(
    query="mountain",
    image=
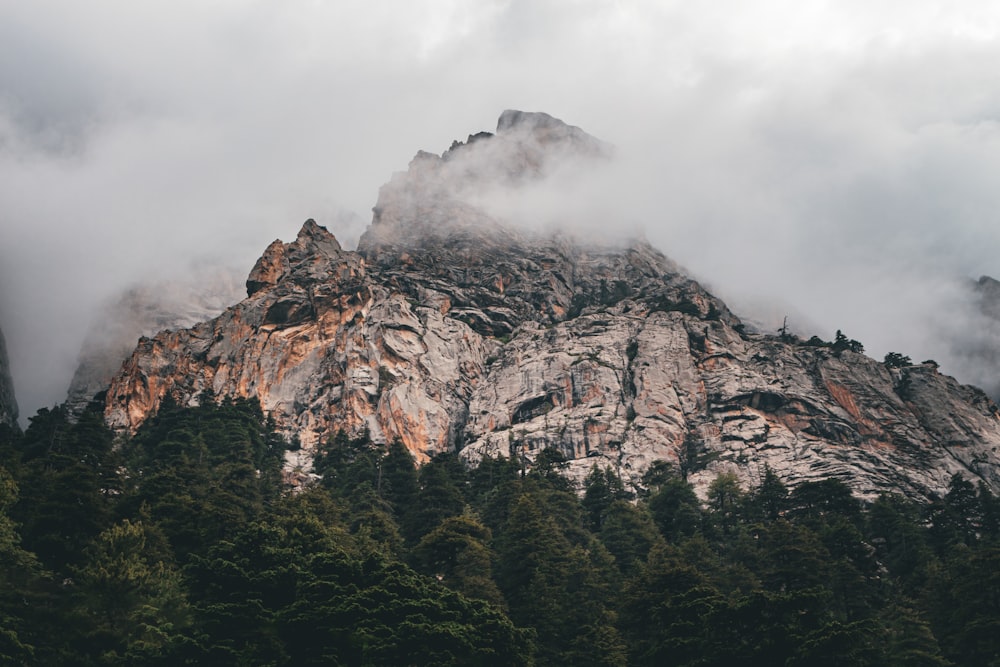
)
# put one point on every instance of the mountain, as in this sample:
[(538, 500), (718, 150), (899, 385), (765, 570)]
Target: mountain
[(988, 290), (983, 348), (8, 404), (144, 310), (970, 333), (454, 328)]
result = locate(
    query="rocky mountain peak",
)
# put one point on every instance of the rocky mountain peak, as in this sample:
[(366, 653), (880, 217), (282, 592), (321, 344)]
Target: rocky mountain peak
[(315, 238), (441, 195), (513, 119), (269, 269), (431, 235), (8, 404), (549, 132), (279, 259)]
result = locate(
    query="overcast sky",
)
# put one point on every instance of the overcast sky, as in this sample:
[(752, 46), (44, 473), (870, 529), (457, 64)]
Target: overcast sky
[(836, 162)]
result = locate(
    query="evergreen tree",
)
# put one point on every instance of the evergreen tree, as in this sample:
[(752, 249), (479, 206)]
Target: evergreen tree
[(204, 472), (909, 641), (964, 605), (823, 502), (344, 463), (555, 588), (957, 518), (133, 607), (601, 488), (725, 500), (438, 498), (791, 558), (457, 553), (675, 510), (769, 500), (398, 481), (629, 533), (372, 522), (894, 529), (68, 486), (490, 477), (295, 592), (18, 571), (666, 611), (548, 468), (988, 514)]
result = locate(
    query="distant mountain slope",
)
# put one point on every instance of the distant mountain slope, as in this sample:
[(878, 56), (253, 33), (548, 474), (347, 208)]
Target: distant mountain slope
[(986, 350), (144, 310), (8, 403)]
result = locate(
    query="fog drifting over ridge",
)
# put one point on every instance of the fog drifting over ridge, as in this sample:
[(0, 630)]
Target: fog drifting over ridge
[(836, 164)]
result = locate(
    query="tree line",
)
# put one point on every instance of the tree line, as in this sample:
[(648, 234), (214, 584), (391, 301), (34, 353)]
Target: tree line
[(181, 545)]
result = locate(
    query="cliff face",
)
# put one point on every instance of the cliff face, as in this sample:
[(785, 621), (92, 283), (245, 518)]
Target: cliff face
[(323, 347), (448, 329), (627, 387), (8, 404)]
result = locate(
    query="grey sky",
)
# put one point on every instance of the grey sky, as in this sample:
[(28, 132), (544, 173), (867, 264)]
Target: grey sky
[(836, 162)]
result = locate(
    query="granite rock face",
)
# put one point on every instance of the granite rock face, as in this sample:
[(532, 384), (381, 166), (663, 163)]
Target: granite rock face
[(624, 389), (8, 403), (324, 347), (451, 330)]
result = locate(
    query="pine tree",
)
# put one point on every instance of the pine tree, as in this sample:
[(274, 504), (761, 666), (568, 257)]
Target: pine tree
[(18, 571), (667, 611), (725, 499), (555, 587), (629, 533), (894, 529), (68, 486), (909, 639), (438, 498), (601, 488), (457, 553), (769, 500), (676, 510), (134, 607)]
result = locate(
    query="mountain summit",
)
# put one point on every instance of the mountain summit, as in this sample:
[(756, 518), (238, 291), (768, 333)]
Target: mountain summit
[(451, 329)]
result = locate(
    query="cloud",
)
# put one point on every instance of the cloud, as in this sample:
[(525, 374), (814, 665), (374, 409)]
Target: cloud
[(835, 162)]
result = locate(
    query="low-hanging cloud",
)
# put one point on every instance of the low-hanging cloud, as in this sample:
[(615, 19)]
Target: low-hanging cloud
[(835, 163)]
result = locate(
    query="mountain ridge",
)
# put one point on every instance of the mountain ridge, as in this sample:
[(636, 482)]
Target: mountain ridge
[(449, 329)]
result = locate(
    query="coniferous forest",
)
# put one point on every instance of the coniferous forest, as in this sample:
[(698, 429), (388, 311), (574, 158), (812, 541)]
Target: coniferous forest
[(180, 545)]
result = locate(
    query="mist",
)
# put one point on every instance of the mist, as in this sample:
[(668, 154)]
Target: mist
[(835, 164)]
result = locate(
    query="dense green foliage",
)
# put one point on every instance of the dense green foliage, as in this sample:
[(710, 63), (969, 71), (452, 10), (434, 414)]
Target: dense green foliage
[(180, 545)]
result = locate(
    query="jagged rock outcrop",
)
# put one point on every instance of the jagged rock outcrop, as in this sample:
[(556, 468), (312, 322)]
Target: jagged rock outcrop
[(448, 329), (8, 403), (144, 310), (324, 348)]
